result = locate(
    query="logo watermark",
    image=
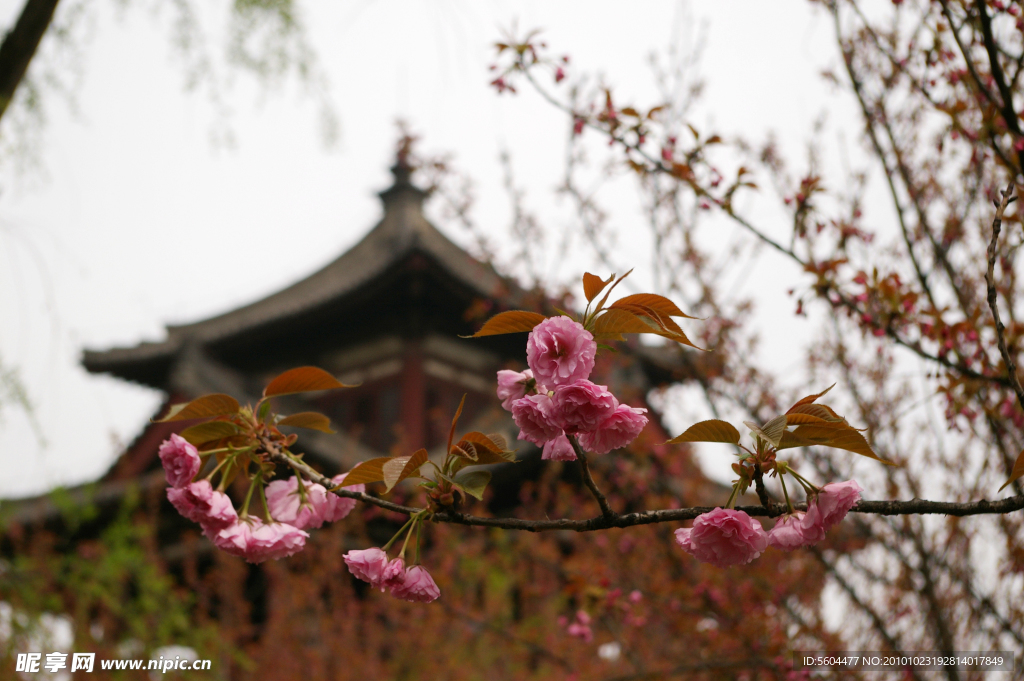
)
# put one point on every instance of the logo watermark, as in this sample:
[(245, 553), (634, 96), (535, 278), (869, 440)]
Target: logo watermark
[(34, 663)]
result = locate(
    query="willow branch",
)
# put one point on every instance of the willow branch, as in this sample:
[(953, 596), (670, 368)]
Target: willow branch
[(997, 223)]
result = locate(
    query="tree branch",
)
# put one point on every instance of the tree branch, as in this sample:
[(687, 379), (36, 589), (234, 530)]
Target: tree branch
[(588, 480), (19, 46), (997, 222)]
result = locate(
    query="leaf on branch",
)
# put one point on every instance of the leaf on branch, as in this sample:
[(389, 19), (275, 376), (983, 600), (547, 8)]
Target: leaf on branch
[(708, 431), (811, 398), (663, 305), (473, 483), (302, 380), (1018, 470), (308, 419), (800, 419), (208, 432), (592, 285), (614, 322), (483, 449), (817, 410), (513, 321), (770, 432), (455, 420), (207, 406), (367, 471), (401, 467), (838, 435), (600, 306)]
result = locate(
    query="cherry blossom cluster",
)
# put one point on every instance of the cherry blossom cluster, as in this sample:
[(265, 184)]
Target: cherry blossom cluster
[(289, 509), (725, 537), (553, 399), (413, 584)]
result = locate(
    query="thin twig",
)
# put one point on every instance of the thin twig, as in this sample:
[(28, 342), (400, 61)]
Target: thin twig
[(588, 480), (997, 223)]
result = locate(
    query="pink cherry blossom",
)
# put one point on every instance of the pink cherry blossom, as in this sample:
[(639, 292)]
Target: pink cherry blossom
[(417, 586), (830, 506), (723, 537), (558, 449), (256, 541), (286, 504), (580, 627), (367, 564), (335, 507), (393, 574), (535, 415), (582, 406), (789, 533), (560, 351), (512, 386), (200, 503), (180, 459), (616, 431)]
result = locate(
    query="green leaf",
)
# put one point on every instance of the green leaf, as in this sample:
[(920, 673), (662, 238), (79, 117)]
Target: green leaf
[(264, 410), (203, 407), (302, 380), (513, 321), (1018, 470), (209, 431), (708, 431), (308, 419), (474, 482), (592, 285)]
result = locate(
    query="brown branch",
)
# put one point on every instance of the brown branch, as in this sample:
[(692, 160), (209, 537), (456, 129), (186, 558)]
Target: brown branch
[(997, 223), (588, 479), (19, 46)]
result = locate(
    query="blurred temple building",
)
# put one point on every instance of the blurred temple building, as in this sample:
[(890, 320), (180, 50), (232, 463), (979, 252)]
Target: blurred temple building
[(386, 314)]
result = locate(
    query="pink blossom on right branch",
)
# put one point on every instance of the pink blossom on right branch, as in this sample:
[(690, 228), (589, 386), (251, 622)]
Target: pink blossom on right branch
[(723, 537), (180, 460), (789, 533), (417, 586), (560, 351), (830, 506), (368, 565), (618, 430)]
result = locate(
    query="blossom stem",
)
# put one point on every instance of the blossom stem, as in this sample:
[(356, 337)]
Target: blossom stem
[(216, 468), (248, 495), (588, 480), (789, 504), (399, 533), (732, 496)]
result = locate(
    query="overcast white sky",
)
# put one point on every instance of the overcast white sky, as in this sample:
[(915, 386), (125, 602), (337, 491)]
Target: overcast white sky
[(136, 220)]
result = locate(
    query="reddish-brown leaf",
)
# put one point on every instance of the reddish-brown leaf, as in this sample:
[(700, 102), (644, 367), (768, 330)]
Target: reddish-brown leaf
[(302, 380), (513, 321), (1018, 470), (663, 305), (367, 471), (308, 419), (207, 406), (838, 435), (455, 420), (708, 431), (208, 432), (401, 467), (592, 285), (811, 398)]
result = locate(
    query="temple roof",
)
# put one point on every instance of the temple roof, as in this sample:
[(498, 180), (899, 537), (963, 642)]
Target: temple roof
[(402, 232)]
